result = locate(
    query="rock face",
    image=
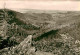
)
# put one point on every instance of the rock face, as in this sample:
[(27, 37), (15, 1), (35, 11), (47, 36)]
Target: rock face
[(24, 48), (26, 43)]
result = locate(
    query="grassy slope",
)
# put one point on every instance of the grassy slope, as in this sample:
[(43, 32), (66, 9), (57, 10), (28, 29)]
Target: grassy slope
[(47, 21)]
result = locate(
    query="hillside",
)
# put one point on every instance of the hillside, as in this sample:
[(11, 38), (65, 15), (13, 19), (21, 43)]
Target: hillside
[(55, 32)]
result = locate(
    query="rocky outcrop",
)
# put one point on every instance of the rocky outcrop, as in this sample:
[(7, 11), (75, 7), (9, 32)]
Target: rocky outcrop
[(24, 48)]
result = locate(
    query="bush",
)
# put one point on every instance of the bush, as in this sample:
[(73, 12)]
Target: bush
[(7, 43)]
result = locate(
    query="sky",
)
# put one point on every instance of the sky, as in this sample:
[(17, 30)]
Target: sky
[(41, 5), (40, 0)]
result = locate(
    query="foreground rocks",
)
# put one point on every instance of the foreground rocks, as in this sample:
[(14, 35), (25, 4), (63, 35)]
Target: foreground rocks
[(66, 45), (24, 48)]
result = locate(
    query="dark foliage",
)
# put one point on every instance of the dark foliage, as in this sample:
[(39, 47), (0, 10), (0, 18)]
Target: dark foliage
[(7, 43), (45, 35)]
